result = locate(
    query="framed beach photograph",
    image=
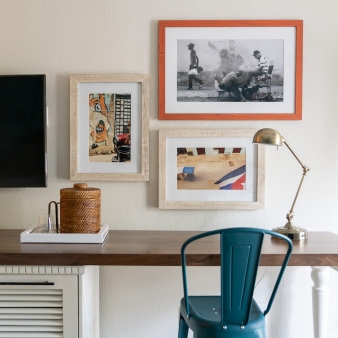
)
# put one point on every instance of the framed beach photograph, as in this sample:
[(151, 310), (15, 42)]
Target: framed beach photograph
[(230, 70), (109, 127), (210, 169)]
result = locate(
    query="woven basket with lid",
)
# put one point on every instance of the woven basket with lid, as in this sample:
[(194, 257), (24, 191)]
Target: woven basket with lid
[(80, 209)]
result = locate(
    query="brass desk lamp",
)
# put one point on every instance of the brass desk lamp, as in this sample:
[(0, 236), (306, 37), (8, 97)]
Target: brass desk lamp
[(270, 136)]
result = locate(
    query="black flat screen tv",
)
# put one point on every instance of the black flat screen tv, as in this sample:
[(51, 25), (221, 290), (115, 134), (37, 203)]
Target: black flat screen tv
[(23, 158)]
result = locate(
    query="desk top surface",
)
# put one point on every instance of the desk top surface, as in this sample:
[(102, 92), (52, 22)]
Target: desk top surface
[(159, 248)]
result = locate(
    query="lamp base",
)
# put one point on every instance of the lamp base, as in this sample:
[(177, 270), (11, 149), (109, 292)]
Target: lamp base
[(294, 233)]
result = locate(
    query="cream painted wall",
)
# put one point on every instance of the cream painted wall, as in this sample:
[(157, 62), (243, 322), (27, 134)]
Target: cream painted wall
[(64, 37)]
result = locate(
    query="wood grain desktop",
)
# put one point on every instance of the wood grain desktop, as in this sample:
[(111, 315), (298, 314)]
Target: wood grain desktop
[(159, 248)]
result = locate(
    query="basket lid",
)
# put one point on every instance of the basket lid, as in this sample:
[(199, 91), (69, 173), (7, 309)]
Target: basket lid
[(80, 191)]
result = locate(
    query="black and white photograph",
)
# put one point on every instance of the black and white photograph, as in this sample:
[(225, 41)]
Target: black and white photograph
[(230, 70), (233, 70)]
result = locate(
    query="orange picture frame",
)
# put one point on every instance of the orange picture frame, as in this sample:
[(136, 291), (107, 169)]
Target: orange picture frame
[(173, 51)]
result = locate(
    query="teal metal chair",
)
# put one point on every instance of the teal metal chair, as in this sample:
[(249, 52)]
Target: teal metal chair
[(234, 313)]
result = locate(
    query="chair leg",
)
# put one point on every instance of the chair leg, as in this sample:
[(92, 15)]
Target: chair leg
[(220, 93), (269, 96), (183, 328)]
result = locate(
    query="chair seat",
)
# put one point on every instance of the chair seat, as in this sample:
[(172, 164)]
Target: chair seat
[(206, 317)]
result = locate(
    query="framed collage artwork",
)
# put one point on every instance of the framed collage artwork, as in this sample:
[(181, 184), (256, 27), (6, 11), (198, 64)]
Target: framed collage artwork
[(109, 127)]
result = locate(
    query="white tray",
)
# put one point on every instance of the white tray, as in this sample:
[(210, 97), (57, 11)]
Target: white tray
[(35, 235)]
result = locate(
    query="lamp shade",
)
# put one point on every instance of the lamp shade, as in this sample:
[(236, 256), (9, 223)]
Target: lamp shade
[(268, 136)]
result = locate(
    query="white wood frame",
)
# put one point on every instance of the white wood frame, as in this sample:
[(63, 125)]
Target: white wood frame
[(165, 204), (75, 175)]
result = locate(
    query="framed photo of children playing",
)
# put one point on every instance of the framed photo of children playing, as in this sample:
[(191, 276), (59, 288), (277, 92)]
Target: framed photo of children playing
[(210, 169), (109, 127), (230, 70)]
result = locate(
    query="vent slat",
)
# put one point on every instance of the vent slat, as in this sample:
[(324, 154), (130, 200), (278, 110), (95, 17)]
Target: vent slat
[(25, 316), (23, 298), (31, 328), (30, 304), (29, 322), (31, 335), (32, 311), (30, 292)]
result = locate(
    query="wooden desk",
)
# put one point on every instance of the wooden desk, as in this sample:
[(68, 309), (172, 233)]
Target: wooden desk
[(159, 248), (162, 248)]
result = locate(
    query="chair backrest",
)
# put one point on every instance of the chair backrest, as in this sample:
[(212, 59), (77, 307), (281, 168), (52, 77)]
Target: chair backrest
[(240, 250), (270, 69)]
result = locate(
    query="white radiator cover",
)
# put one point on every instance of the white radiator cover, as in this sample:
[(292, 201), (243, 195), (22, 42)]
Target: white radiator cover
[(49, 310), (31, 311)]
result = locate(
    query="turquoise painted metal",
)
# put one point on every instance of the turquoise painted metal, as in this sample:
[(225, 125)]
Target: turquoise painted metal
[(234, 313)]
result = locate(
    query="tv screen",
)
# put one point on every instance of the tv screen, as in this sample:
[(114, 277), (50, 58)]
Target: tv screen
[(23, 131)]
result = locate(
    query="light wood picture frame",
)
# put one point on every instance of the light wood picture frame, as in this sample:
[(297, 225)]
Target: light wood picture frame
[(196, 56), (210, 169), (109, 127)]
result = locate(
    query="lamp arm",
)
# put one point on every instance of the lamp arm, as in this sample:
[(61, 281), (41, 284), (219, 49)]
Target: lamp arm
[(290, 214), (305, 168), (305, 171)]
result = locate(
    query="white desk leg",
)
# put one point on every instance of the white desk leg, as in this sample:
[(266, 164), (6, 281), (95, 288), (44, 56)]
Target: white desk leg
[(320, 300)]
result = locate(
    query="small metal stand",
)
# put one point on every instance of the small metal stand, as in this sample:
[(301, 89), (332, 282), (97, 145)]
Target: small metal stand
[(49, 222)]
